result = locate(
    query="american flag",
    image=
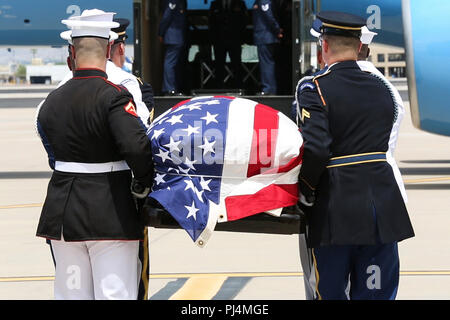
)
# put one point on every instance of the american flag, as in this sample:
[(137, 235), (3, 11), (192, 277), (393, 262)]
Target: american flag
[(222, 158)]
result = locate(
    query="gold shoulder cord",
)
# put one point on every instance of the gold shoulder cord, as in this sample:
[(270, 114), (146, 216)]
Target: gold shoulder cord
[(318, 87), (320, 92)]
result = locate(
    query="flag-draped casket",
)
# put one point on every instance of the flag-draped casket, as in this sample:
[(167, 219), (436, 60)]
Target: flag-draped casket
[(220, 159)]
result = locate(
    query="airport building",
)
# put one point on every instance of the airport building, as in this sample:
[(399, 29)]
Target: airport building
[(390, 60), (46, 74)]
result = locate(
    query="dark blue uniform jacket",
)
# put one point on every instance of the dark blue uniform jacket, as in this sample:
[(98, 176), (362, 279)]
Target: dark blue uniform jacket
[(346, 111), (266, 27), (173, 25)]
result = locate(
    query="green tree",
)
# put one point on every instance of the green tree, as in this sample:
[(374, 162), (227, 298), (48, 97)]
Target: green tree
[(21, 71)]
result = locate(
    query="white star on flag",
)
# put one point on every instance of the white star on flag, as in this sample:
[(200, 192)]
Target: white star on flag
[(173, 145), (211, 102), (207, 146), (192, 211), (173, 169), (190, 163), (157, 133), (175, 119), (190, 185), (159, 178), (164, 155), (210, 117), (194, 106), (199, 194), (205, 183), (190, 130), (184, 171)]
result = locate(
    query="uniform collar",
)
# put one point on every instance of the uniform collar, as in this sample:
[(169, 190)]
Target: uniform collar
[(89, 72), (349, 64)]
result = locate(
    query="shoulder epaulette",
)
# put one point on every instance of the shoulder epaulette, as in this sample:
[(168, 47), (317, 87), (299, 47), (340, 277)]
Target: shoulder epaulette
[(322, 74), (305, 82), (328, 71), (311, 83)]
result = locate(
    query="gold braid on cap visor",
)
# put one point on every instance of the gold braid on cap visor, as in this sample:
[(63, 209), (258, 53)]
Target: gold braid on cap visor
[(341, 27)]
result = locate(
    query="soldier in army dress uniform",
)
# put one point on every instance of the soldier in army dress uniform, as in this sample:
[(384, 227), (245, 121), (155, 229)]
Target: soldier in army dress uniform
[(354, 208)]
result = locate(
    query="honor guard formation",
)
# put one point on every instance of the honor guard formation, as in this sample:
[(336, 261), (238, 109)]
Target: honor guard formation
[(98, 131)]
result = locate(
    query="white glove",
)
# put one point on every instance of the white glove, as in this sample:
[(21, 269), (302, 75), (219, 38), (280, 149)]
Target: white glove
[(305, 202), (138, 190)]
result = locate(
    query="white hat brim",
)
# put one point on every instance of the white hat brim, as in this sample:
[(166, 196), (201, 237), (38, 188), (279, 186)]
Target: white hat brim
[(67, 35), (367, 35), (314, 33), (90, 24)]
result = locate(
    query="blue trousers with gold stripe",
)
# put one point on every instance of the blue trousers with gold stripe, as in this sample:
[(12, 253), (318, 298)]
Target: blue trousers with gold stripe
[(145, 272), (356, 272)]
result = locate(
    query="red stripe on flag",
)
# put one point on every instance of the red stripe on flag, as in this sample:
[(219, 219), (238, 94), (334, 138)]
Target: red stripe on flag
[(179, 104), (293, 163), (265, 131), (269, 198)]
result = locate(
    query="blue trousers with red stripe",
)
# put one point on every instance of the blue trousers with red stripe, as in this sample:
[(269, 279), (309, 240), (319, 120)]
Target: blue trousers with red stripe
[(356, 272)]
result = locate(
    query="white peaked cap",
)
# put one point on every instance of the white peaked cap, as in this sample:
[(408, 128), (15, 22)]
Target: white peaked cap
[(367, 35), (314, 33), (91, 23), (315, 28)]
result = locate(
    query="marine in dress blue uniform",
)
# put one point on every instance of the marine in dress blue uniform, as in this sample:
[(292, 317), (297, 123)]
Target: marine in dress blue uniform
[(354, 208), (93, 136), (172, 31), (266, 36), (143, 97)]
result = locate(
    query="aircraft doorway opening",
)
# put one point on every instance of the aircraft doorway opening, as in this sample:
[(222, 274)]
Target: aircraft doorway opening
[(199, 69)]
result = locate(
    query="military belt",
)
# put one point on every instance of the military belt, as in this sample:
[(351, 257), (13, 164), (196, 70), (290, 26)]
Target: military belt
[(356, 159), (79, 167)]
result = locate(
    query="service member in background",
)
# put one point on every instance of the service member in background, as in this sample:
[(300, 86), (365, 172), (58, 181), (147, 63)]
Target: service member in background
[(367, 66), (283, 59), (93, 136), (118, 57), (173, 32), (354, 207), (266, 35), (227, 23)]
